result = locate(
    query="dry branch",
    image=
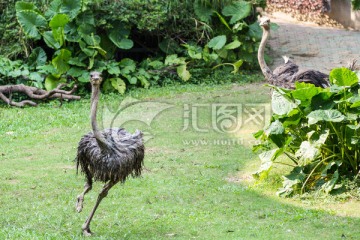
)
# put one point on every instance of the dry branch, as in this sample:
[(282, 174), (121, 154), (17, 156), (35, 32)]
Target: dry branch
[(34, 93)]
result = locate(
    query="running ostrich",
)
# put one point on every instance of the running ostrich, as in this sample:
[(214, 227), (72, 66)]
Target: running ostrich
[(109, 156), (288, 73)]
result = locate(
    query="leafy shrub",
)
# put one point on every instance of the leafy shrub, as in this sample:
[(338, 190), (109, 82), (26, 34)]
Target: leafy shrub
[(355, 4), (166, 39), (317, 130), (69, 32)]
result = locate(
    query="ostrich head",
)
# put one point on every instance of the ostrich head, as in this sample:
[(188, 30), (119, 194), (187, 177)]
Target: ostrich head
[(95, 78), (265, 22)]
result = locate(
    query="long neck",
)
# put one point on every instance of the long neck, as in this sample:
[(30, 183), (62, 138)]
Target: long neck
[(94, 104), (264, 68)]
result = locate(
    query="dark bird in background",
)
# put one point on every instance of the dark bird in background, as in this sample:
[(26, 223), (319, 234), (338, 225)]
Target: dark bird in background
[(109, 156), (287, 74)]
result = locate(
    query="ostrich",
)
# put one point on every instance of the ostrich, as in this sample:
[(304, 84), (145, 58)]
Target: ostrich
[(288, 73), (109, 156)]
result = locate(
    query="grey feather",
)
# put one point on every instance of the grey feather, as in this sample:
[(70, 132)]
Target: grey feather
[(122, 156)]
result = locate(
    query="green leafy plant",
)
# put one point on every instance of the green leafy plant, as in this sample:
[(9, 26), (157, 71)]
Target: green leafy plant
[(236, 41), (318, 130), (69, 30), (16, 72), (63, 40), (355, 4)]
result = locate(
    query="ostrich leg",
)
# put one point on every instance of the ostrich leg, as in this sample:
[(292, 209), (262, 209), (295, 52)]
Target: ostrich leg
[(103, 193), (80, 198), (87, 188)]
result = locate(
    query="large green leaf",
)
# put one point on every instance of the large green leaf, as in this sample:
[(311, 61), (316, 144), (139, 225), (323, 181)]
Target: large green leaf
[(132, 80), (53, 8), (60, 62), (92, 39), (281, 105), (307, 153), (93, 42), (355, 100), (275, 133), (37, 57), (85, 77), (174, 60), (343, 77), (52, 82), (255, 31), (113, 69), (57, 24), (330, 185), (59, 20), (143, 76), (318, 138), (331, 115), (352, 134), (88, 51), (292, 182), (71, 32), (329, 166), (50, 40), (237, 65), (37, 78), (217, 42), (183, 73), (194, 51), (85, 30), (71, 7), (75, 72), (203, 11), (21, 6), (85, 18), (305, 92), (119, 36), (233, 45), (31, 22), (237, 11), (118, 84), (47, 69), (267, 159), (76, 61), (275, 127), (209, 57), (127, 65)]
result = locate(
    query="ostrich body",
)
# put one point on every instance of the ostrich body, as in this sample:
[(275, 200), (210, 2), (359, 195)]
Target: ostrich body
[(288, 73), (109, 156)]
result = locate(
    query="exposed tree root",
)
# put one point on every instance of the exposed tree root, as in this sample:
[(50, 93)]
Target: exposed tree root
[(34, 93)]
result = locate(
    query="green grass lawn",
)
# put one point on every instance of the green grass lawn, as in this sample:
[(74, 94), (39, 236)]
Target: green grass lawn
[(190, 188)]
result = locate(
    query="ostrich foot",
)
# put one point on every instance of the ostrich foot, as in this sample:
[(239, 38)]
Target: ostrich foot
[(86, 231), (79, 204)]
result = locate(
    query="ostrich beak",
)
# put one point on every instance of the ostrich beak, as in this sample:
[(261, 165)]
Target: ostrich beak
[(264, 22)]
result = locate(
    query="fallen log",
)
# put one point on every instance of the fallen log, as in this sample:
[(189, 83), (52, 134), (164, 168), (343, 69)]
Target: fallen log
[(35, 93)]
